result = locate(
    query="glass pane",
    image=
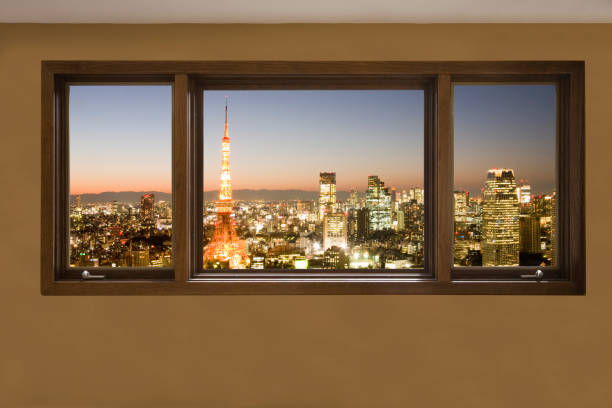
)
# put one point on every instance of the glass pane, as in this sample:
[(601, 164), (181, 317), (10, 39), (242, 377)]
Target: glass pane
[(505, 175), (120, 175), (313, 180)]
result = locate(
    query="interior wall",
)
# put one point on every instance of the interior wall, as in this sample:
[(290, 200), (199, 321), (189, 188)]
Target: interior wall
[(294, 351)]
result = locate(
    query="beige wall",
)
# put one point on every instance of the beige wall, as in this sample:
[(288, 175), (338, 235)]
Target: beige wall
[(297, 351)]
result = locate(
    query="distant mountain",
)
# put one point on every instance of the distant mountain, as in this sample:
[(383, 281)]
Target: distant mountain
[(121, 197), (248, 195), (272, 195)]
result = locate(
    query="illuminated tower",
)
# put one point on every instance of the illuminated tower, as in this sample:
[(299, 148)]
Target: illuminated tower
[(500, 219), (327, 193), (226, 247)]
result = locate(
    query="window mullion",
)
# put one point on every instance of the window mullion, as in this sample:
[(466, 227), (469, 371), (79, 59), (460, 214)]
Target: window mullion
[(180, 179), (443, 176)]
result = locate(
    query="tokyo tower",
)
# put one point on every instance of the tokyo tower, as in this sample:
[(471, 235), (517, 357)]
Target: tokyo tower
[(226, 247)]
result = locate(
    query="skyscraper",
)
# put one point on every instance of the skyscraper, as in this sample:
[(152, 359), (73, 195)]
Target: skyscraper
[(334, 231), (327, 193), (226, 247), (529, 234), (378, 202), (524, 192), (147, 202), (363, 223), (500, 219), (462, 199)]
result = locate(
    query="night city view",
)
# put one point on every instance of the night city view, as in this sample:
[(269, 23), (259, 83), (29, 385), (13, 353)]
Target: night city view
[(312, 179)]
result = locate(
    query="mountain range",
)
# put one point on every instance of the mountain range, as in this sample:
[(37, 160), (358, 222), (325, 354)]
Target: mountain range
[(245, 194)]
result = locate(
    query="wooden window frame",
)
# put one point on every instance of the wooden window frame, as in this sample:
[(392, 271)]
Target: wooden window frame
[(190, 79)]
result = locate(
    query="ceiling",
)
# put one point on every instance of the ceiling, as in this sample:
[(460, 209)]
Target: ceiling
[(305, 11)]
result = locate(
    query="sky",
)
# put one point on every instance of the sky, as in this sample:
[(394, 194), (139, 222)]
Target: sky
[(284, 139), (504, 126), (120, 137)]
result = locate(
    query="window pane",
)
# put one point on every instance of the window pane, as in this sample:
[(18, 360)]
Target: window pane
[(313, 180), (505, 175), (120, 175)]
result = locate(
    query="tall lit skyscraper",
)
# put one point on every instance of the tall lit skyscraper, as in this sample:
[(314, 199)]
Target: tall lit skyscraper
[(378, 202), (500, 219), (529, 234), (552, 254), (226, 247), (147, 202), (460, 209), (334, 231), (327, 193)]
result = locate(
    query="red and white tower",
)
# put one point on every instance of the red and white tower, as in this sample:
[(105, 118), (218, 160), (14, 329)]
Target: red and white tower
[(226, 246)]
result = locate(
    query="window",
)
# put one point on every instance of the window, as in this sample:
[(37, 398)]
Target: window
[(120, 176), (343, 177), (317, 180), (505, 187)]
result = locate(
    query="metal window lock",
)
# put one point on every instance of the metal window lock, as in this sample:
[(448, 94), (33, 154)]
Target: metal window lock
[(88, 276), (538, 275)]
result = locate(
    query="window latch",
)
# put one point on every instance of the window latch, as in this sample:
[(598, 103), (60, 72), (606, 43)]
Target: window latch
[(538, 275), (88, 276)]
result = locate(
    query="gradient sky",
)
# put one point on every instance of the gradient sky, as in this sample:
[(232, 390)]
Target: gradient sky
[(120, 137), (510, 126), (283, 139)]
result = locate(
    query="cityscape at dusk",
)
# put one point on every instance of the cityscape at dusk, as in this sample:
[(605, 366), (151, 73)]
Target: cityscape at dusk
[(312, 179)]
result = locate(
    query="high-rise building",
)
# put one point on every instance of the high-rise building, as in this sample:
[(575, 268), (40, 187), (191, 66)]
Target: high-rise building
[(524, 192), (147, 214), (417, 194), (378, 202), (552, 254), (327, 193), (363, 223), (398, 220), (500, 220), (226, 248), (529, 227), (147, 202), (334, 231), (462, 198)]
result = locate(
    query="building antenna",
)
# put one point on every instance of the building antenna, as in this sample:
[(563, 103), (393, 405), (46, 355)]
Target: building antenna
[(226, 98)]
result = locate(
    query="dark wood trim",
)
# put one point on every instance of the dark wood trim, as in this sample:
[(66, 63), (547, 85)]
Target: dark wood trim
[(320, 82), (296, 68), (443, 172), (47, 181), (574, 229), (196, 130), (190, 78), (313, 287), (181, 220)]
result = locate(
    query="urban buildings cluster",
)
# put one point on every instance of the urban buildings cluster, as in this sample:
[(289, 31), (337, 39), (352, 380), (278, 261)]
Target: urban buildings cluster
[(379, 228), (115, 234), (507, 226)]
